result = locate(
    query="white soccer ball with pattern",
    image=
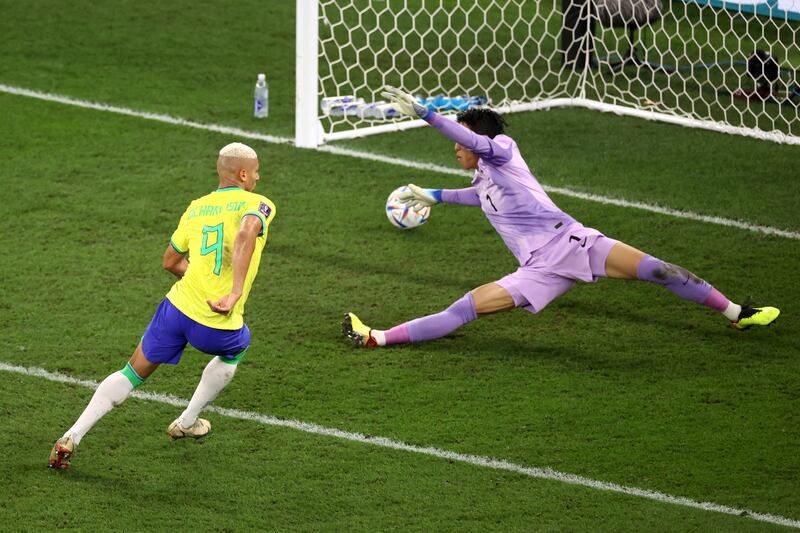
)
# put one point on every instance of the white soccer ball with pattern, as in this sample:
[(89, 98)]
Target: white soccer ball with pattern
[(405, 217)]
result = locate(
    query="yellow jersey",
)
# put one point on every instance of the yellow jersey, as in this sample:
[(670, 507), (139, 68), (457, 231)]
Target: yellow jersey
[(207, 232)]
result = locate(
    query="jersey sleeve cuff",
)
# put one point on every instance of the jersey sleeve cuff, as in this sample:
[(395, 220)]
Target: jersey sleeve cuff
[(260, 217), (175, 247)]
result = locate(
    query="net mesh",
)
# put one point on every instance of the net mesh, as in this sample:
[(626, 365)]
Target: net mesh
[(673, 58)]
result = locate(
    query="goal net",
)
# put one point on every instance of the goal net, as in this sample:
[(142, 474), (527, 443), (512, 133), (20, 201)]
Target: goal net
[(730, 66)]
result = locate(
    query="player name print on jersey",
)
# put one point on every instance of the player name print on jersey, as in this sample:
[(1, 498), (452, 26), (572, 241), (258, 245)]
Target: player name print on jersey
[(213, 210)]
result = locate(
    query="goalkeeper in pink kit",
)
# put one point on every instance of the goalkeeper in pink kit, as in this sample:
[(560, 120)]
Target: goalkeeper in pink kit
[(554, 250)]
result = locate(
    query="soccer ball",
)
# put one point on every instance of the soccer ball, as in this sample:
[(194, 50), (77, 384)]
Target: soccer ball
[(405, 217)]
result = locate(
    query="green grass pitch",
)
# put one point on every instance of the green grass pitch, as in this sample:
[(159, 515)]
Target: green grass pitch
[(618, 382)]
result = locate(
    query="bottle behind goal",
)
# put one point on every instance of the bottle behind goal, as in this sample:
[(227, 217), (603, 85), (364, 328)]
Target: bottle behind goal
[(261, 97)]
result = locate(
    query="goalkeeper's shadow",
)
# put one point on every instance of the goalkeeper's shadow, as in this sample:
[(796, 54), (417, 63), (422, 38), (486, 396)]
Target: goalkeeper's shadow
[(353, 264)]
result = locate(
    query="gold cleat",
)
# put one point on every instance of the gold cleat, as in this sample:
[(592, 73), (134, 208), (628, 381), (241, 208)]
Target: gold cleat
[(61, 454), (200, 428)]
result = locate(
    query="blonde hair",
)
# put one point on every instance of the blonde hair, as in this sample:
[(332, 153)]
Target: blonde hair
[(238, 150)]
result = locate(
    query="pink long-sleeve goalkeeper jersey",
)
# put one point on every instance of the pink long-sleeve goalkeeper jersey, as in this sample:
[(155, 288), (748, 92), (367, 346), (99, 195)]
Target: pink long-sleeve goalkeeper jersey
[(510, 195)]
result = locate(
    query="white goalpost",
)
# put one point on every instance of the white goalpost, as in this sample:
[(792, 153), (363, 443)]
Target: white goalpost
[(726, 65)]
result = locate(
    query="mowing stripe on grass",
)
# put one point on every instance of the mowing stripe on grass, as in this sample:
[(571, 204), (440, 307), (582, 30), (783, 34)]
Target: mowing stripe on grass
[(158, 117), (338, 150), (476, 460), (607, 200)]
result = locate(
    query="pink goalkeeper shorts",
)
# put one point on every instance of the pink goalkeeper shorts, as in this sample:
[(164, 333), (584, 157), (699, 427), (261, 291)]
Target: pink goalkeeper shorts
[(578, 254)]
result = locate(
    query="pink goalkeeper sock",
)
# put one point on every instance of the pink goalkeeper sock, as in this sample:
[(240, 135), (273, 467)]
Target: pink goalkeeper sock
[(716, 300), (397, 335), (432, 326)]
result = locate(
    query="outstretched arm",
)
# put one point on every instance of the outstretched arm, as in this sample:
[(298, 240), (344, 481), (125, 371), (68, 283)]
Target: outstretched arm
[(417, 197), (468, 196), (242, 253), (480, 145)]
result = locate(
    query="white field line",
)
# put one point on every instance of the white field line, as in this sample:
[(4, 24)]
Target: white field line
[(158, 117), (337, 150), (607, 200), (476, 460)]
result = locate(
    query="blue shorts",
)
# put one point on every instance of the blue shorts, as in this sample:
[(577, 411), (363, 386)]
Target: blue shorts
[(170, 330)]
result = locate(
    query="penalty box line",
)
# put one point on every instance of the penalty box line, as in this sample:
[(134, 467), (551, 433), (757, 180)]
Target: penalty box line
[(384, 442), (431, 167)]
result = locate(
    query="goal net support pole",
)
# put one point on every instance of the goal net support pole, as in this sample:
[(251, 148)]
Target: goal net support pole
[(307, 127)]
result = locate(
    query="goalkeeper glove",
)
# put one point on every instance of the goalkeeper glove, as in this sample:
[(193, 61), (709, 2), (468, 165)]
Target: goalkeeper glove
[(417, 197), (404, 102)]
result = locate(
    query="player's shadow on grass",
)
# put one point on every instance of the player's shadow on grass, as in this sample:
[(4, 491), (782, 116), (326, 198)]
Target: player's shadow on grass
[(657, 311), (347, 262), (593, 348), (522, 356), (78, 475), (120, 481)]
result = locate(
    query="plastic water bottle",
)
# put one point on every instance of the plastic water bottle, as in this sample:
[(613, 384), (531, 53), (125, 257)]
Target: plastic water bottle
[(261, 97), (441, 102), (378, 110), (330, 102), (339, 106)]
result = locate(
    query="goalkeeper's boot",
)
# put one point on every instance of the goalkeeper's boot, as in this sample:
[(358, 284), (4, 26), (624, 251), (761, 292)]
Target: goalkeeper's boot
[(200, 428), (61, 454), (357, 331), (755, 316)]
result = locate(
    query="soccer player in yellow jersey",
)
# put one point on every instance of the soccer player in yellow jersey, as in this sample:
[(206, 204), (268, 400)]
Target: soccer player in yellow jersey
[(214, 253)]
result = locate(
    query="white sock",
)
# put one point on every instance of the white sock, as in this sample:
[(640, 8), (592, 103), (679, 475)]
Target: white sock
[(378, 336), (216, 376), (110, 393), (732, 311)]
